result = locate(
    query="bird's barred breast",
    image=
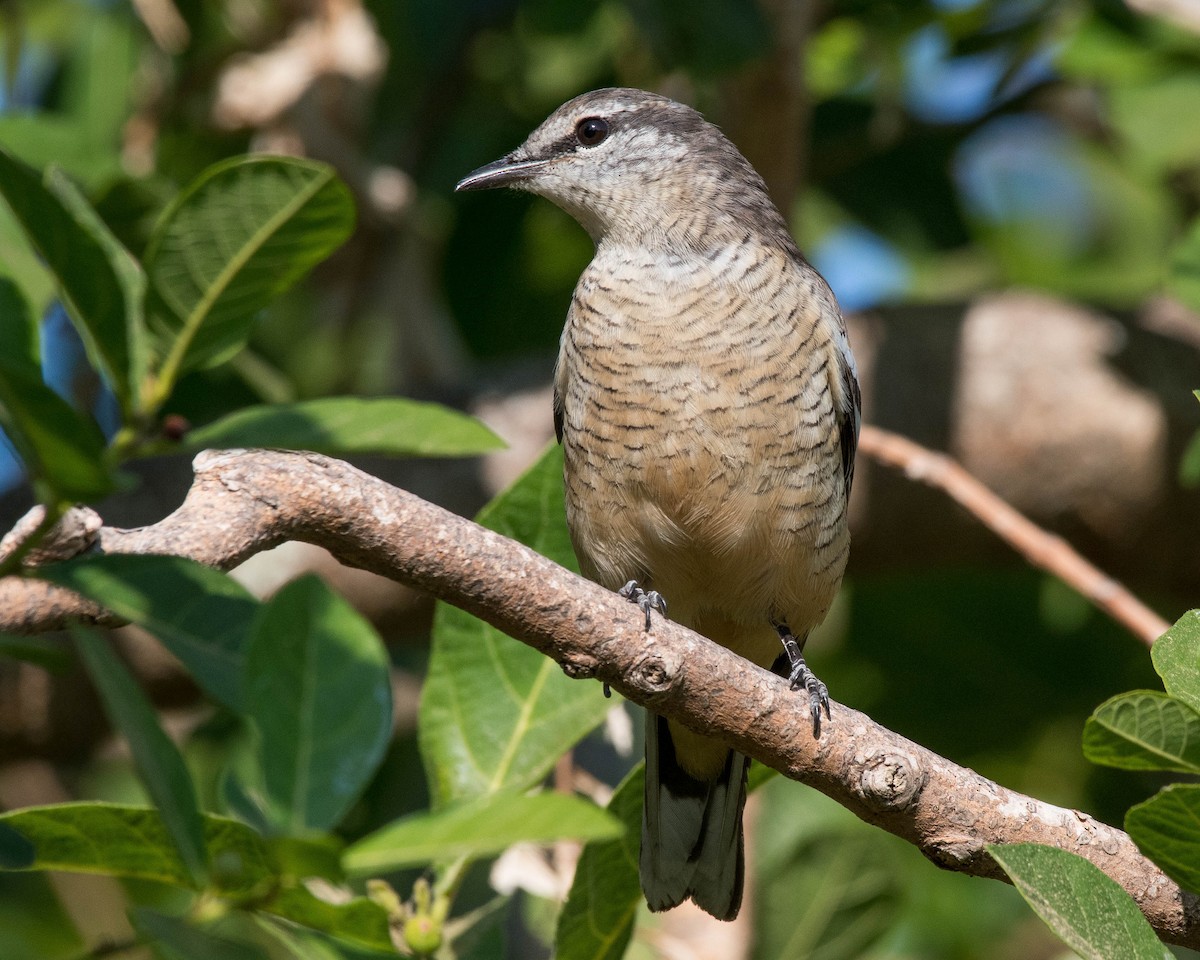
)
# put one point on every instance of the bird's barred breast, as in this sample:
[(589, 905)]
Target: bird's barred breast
[(699, 432)]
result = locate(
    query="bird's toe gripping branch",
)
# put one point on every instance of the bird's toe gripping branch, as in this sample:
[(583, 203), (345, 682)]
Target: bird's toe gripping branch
[(799, 675), (647, 600)]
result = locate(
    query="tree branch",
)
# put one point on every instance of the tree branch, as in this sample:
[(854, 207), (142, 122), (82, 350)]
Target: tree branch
[(1040, 548), (243, 502)]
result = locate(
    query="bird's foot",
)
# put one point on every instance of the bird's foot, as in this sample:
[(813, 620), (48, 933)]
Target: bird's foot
[(647, 600), (799, 675)]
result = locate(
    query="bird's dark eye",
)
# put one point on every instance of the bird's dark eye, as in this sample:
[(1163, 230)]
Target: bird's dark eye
[(591, 131)]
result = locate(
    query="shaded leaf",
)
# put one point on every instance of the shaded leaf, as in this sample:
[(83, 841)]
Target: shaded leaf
[(18, 330), (479, 828), (45, 652), (350, 425), (1176, 657), (1166, 829), (177, 939), (201, 615), (1088, 910), (136, 844), (495, 713), (101, 284), (596, 922), (319, 695), (159, 763), (359, 921), (240, 235), (1144, 730), (61, 448)]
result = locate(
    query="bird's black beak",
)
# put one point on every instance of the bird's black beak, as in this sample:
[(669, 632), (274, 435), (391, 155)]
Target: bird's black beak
[(502, 173)]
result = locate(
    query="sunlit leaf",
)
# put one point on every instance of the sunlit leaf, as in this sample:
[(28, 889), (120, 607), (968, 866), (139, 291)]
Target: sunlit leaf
[(1176, 657), (341, 426), (478, 828), (597, 920), (1087, 909), (101, 284), (176, 939), (319, 695), (1166, 828), (159, 762), (240, 235), (1144, 730), (495, 713)]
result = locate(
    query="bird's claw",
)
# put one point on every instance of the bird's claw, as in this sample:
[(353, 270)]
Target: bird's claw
[(646, 600), (801, 676)]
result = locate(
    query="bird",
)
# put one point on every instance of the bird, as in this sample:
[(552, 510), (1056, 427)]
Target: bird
[(707, 403)]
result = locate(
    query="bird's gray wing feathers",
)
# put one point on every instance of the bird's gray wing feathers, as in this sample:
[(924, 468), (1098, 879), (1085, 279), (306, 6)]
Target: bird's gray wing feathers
[(558, 414)]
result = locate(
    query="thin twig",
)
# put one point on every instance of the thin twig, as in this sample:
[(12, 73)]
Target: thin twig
[(949, 812), (1042, 549)]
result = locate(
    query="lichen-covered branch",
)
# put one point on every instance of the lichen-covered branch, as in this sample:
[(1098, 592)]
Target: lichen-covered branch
[(245, 501)]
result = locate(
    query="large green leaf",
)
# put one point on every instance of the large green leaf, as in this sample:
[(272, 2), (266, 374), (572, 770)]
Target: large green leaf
[(159, 762), (33, 923), (824, 885), (101, 284), (1176, 656), (318, 693), (479, 828), (132, 842), (240, 235), (1184, 280), (1166, 828), (127, 841), (201, 615), (63, 450), (1144, 730), (350, 425), (495, 713), (597, 920), (176, 939), (19, 344), (1087, 909)]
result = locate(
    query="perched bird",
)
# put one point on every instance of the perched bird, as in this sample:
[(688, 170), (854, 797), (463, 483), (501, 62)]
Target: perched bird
[(708, 407)]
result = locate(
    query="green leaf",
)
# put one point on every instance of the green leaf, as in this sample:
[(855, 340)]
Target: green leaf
[(496, 714), (1145, 116), (596, 922), (201, 615), (19, 340), (33, 923), (825, 885), (101, 284), (1166, 829), (132, 842), (319, 695), (1176, 657), (359, 921), (45, 652), (1088, 910), (127, 841), (63, 449), (176, 939), (159, 762), (240, 235), (350, 425), (1144, 730), (478, 828), (1184, 280)]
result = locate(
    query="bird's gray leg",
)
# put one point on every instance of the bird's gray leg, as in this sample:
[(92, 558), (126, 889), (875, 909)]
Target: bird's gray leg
[(800, 675), (647, 600)]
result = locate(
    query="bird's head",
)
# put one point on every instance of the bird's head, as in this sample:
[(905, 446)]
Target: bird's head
[(637, 167)]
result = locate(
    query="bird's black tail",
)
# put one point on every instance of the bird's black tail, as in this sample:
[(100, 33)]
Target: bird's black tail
[(692, 842)]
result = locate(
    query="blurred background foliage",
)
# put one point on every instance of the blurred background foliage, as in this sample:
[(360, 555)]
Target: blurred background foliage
[(928, 151)]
